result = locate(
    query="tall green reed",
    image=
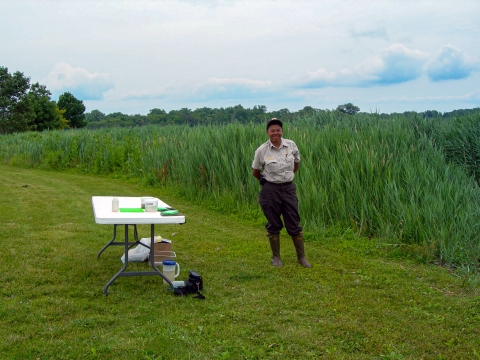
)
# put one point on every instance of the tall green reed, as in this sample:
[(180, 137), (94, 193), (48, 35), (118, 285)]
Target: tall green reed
[(386, 179)]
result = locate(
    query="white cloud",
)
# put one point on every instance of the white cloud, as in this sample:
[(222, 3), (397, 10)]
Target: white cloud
[(399, 64), (451, 64), (396, 64), (78, 81), (213, 88)]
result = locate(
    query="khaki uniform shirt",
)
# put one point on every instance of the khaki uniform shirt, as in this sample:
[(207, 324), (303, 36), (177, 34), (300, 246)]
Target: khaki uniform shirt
[(277, 164)]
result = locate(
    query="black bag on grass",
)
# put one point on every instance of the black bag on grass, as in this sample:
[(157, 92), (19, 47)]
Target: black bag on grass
[(193, 285)]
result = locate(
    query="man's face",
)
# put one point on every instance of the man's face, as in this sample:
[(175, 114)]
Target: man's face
[(274, 132)]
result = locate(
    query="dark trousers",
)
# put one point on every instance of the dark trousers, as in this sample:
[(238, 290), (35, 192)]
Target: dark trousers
[(278, 201)]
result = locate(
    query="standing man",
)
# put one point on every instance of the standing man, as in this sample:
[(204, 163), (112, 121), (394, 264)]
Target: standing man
[(274, 166)]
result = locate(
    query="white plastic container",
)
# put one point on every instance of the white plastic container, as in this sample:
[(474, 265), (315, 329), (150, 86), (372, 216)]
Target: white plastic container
[(169, 267), (144, 199), (177, 284), (115, 204), (151, 205)]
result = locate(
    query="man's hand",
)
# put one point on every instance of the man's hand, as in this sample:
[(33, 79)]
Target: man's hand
[(262, 180)]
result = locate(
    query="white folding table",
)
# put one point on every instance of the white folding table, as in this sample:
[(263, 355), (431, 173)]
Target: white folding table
[(102, 210)]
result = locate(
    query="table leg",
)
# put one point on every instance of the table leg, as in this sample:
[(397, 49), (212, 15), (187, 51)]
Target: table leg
[(125, 263), (122, 271), (113, 242)]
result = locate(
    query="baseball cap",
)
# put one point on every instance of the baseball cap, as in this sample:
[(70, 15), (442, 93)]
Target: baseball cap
[(274, 121)]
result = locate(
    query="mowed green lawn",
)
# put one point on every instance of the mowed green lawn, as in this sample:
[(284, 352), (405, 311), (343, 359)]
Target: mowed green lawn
[(357, 302)]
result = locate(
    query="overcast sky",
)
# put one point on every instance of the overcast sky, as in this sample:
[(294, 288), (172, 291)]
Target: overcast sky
[(133, 56)]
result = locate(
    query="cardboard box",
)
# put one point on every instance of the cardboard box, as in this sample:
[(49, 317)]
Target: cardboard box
[(163, 255), (164, 245)]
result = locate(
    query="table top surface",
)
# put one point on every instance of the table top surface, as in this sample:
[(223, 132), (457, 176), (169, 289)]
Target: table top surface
[(102, 210)]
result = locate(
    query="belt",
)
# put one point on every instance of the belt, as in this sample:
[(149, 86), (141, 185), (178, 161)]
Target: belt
[(280, 184)]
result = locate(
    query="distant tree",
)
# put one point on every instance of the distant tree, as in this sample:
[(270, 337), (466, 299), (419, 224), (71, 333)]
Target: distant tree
[(94, 116), (239, 114), (47, 116), (260, 109), (282, 114), (461, 112), (74, 110), (307, 111), (431, 114), (63, 121), (156, 116), (188, 117), (157, 111), (349, 109), (410, 114), (117, 115), (15, 109), (182, 116), (205, 115)]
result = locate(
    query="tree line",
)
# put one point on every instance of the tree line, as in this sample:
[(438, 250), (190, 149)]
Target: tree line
[(205, 116), (201, 116), (258, 114), (29, 107)]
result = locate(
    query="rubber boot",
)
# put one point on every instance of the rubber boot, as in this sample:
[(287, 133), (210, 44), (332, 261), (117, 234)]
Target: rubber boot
[(275, 245), (299, 247)]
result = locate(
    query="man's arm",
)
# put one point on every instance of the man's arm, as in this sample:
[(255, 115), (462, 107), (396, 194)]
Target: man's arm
[(256, 173)]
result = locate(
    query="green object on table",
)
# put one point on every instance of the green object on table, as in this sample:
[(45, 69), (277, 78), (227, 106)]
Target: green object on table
[(131, 210), (162, 208), (169, 212)]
